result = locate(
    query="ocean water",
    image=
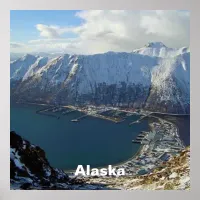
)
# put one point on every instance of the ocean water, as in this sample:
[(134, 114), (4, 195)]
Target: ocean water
[(91, 141)]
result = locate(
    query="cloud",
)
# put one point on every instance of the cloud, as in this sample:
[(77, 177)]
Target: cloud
[(116, 30), (166, 24), (51, 40), (52, 31), (48, 31), (16, 45)]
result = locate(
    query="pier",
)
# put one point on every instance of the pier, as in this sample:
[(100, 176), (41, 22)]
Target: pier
[(45, 109), (79, 118), (97, 114), (42, 112), (141, 138)]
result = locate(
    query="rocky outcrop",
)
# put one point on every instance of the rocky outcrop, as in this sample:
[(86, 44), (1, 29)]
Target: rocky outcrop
[(29, 169), (29, 166)]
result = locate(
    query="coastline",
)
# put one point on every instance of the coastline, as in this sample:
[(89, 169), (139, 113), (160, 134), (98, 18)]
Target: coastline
[(142, 148), (173, 125), (96, 115)]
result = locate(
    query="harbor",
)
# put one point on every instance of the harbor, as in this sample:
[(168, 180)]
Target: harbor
[(111, 114), (88, 140), (156, 145)]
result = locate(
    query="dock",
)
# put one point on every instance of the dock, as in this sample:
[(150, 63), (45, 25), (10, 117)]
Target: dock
[(42, 112), (45, 109), (141, 138), (79, 118), (98, 114)]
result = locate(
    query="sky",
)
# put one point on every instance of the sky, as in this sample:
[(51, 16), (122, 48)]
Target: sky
[(96, 31)]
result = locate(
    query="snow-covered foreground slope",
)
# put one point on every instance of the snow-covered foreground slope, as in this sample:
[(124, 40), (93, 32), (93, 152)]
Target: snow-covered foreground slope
[(154, 77), (30, 169)]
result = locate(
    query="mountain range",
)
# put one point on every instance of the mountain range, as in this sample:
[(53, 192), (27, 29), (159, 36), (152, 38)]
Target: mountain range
[(154, 77)]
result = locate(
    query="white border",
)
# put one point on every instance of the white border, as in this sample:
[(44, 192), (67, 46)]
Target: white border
[(8, 5)]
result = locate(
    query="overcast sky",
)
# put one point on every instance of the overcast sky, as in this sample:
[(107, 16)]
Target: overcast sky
[(96, 31)]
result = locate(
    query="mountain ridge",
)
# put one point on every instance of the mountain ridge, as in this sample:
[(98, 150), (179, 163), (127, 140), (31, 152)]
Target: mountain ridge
[(146, 78)]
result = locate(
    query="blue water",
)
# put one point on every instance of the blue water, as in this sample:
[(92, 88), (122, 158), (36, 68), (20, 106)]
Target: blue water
[(91, 141)]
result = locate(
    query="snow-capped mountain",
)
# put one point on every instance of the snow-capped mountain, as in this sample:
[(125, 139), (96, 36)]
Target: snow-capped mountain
[(19, 67), (154, 77), (40, 62), (158, 49)]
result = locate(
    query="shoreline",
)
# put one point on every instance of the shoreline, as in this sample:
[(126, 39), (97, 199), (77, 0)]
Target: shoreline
[(122, 162), (159, 118), (142, 148), (99, 116)]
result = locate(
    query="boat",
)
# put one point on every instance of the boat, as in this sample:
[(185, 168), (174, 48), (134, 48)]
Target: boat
[(74, 120)]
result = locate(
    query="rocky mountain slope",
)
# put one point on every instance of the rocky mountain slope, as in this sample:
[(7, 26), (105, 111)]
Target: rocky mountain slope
[(29, 169), (154, 77), (171, 175)]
